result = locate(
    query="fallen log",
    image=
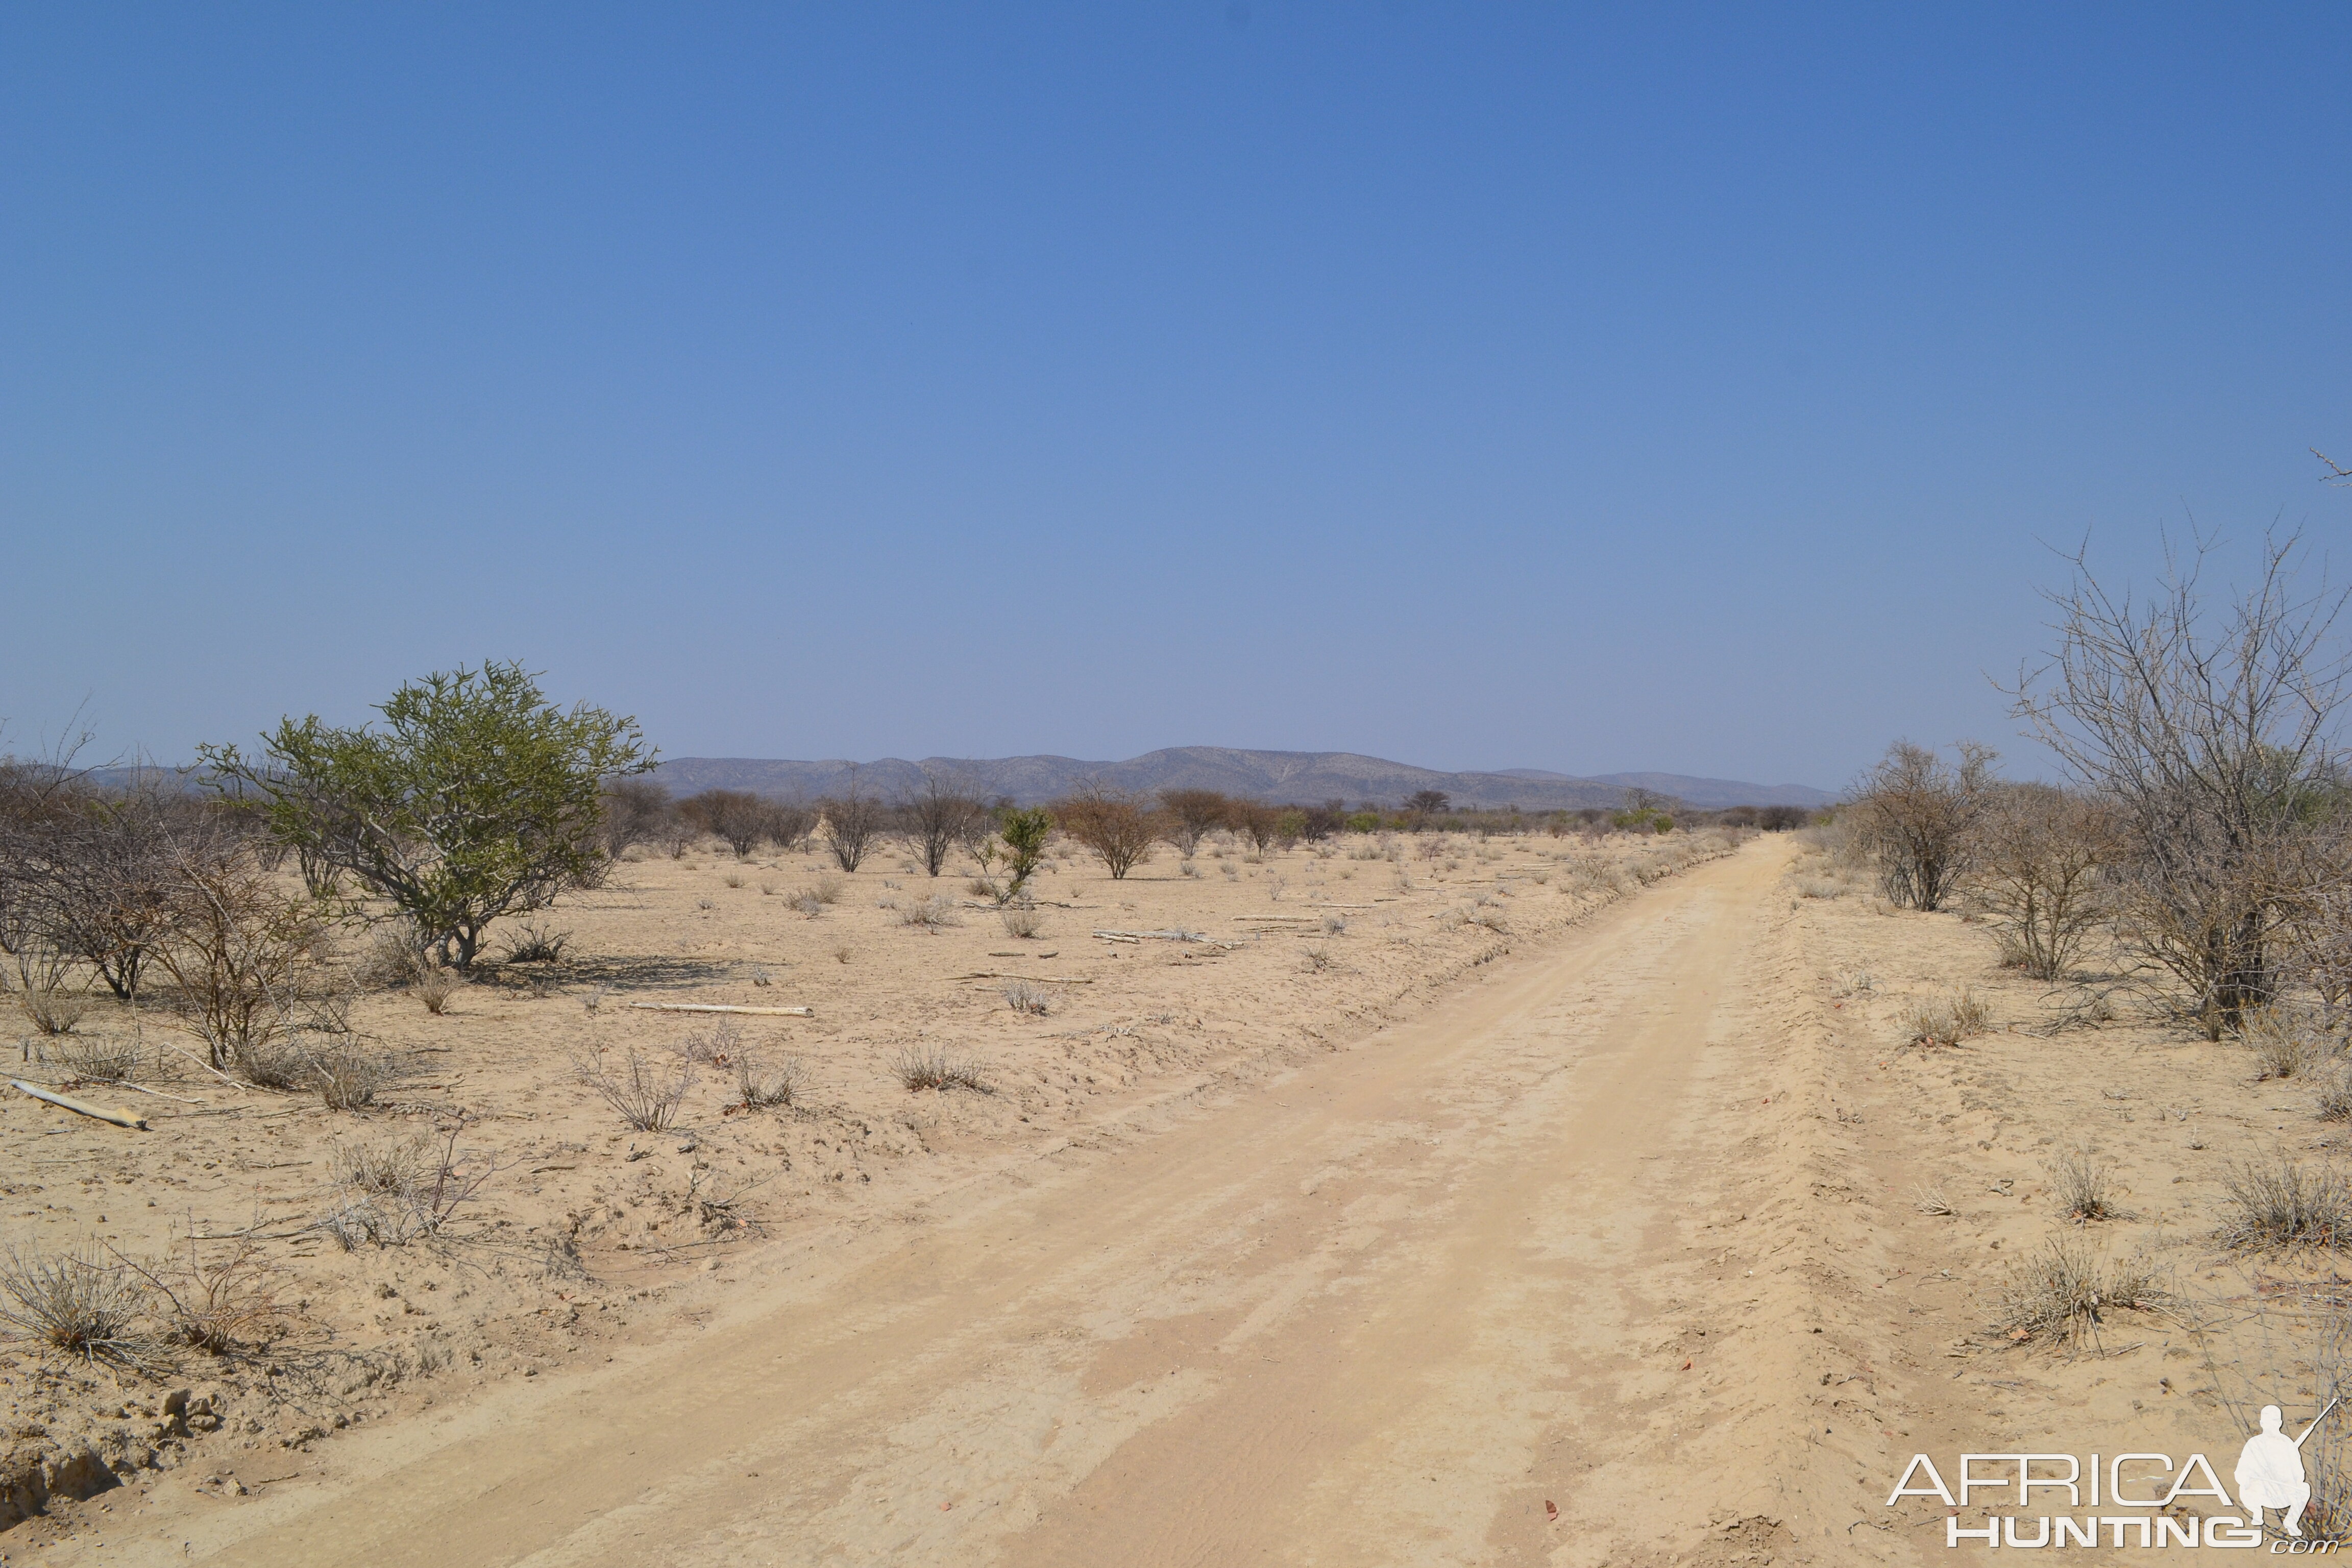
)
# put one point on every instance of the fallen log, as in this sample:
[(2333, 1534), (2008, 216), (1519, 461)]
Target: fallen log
[(725, 1007), (1039, 979), (82, 1107)]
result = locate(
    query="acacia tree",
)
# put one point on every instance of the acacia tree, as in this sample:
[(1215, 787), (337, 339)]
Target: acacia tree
[(1193, 815), (2215, 748), (851, 821), (940, 813), (736, 816), (476, 798), (1917, 816), (1116, 826)]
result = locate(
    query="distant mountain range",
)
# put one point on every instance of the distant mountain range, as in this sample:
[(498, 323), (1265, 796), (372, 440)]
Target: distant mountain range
[(1262, 776)]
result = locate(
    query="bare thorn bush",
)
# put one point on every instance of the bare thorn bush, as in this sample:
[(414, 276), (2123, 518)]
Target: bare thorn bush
[(2283, 1206), (850, 823), (223, 1303), (1917, 815), (2040, 875), (934, 1068), (349, 1075), (2214, 745), (646, 1093), (534, 942), (97, 1058)]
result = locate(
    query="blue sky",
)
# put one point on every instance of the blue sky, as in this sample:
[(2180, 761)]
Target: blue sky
[(1503, 385)]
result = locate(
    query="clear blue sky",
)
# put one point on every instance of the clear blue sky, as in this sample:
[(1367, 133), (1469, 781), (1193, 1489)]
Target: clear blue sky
[(1485, 385)]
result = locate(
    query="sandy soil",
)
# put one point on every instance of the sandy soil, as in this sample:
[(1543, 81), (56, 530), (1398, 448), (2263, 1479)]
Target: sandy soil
[(1604, 1248), (589, 1239)]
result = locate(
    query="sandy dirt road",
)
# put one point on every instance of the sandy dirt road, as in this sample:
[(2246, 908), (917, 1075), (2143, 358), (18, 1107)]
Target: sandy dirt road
[(1379, 1310)]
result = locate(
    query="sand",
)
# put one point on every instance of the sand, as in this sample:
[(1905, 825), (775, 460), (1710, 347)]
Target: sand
[(1591, 1238)]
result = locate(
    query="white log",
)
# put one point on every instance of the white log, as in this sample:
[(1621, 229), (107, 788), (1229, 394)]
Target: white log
[(119, 1118), (725, 1007)]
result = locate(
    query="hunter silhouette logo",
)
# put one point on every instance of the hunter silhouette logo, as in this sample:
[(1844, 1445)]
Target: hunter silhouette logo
[(2130, 1498), (2269, 1470)]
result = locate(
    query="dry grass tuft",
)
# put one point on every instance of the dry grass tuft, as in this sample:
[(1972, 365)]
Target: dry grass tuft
[(2064, 1292), (2081, 1186), (535, 943), (2284, 1044), (931, 914), (934, 1068), (1930, 1200), (1024, 996), (1945, 1022), (435, 985), (52, 1009), (1022, 919), (2285, 1206), (760, 1087), (78, 1303)]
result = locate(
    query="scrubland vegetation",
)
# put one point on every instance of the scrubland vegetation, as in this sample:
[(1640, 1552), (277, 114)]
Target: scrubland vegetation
[(375, 992), (2169, 921)]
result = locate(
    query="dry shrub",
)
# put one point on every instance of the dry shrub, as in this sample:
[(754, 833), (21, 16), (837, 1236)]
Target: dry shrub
[(234, 944), (398, 1193), (2286, 1206), (434, 987), (760, 1086), (78, 1303), (1024, 996), (53, 1009), (222, 1304), (1945, 1022), (348, 1076), (97, 1058), (2214, 737), (378, 1169), (534, 942), (647, 1095), (275, 1064), (2081, 1184), (719, 1045), (2041, 855), (2062, 1292), (2335, 1094), (394, 955), (1022, 919), (849, 824), (1917, 816), (930, 913), (2285, 1043), (1930, 1200), (934, 1068)]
